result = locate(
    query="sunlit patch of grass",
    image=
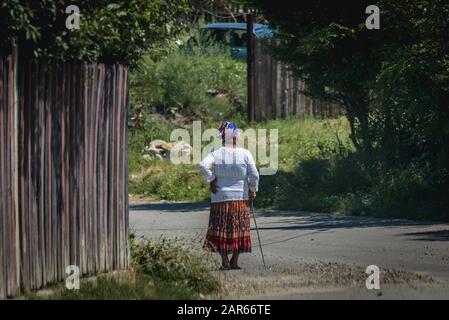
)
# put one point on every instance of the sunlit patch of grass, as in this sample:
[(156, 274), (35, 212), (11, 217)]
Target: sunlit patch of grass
[(163, 180)]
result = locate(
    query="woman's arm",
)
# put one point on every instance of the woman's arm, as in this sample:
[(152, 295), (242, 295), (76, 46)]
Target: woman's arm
[(205, 168), (253, 174)]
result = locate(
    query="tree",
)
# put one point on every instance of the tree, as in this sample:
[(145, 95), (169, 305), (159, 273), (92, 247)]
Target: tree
[(326, 44), (118, 32), (411, 93), (387, 79)]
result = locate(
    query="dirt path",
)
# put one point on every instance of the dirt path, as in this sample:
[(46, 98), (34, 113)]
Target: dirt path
[(320, 256)]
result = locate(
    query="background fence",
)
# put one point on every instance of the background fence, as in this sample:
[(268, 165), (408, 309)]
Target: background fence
[(63, 172), (278, 93)]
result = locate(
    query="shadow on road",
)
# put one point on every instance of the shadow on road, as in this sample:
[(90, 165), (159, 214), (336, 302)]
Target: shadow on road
[(304, 220), (323, 222), (170, 207), (441, 235)]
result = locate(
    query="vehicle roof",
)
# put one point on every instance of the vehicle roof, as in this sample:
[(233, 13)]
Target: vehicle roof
[(260, 30)]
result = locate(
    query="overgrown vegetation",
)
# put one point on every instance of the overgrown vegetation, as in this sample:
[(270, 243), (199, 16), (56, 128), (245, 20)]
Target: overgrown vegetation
[(319, 170), (162, 180), (118, 32), (161, 269), (174, 262), (388, 158), (394, 85), (198, 79)]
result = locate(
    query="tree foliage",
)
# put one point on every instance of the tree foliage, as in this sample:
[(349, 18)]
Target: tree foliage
[(112, 32), (393, 81)]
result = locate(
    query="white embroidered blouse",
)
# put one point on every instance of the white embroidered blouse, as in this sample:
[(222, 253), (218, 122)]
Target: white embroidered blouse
[(235, 171)]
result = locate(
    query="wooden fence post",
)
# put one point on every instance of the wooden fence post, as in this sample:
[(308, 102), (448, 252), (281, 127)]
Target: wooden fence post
[(15, 165), (250, 66)]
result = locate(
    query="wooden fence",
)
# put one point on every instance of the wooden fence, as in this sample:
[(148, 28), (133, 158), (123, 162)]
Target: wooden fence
[(278, 94), (9, 224), (63, 172)]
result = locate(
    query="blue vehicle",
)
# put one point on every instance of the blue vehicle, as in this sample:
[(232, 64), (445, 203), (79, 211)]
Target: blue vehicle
[(234, 35)]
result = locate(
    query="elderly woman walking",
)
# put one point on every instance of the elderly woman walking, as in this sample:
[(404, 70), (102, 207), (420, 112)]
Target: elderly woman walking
[(233, 178)]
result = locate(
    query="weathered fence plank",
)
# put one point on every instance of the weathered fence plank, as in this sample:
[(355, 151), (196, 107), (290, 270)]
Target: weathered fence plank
[(72, 172), (279, 93), (8, 210)]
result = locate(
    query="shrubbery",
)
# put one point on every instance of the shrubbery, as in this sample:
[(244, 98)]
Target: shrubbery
[(180, 88), (388, 157), (118, 32), (161, 269), (168, 262), (320, 171), (184, 82)]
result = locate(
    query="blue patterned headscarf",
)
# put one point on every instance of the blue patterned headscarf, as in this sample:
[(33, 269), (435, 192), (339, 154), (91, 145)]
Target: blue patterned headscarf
[(228, 129)]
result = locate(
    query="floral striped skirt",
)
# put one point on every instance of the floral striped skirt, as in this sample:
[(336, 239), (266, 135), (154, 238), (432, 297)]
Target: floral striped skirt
[(229, 227)]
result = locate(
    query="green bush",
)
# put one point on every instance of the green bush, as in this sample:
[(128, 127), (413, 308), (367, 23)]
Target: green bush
[(179, 83), (162, 269), (320, 171), (118, 32), (168, 262)]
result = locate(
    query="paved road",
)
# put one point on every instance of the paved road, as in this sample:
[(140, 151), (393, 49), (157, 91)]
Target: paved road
[(294, 239)]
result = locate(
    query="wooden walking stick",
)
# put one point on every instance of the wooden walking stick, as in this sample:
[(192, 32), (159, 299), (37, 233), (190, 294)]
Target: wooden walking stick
[(257, 230)]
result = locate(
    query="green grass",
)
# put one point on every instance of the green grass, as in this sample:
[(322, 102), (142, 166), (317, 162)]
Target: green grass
[(166, 181), (319, 171), (107, 287), (161, 269), (163, 180), (179, 82), (299, 140)]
